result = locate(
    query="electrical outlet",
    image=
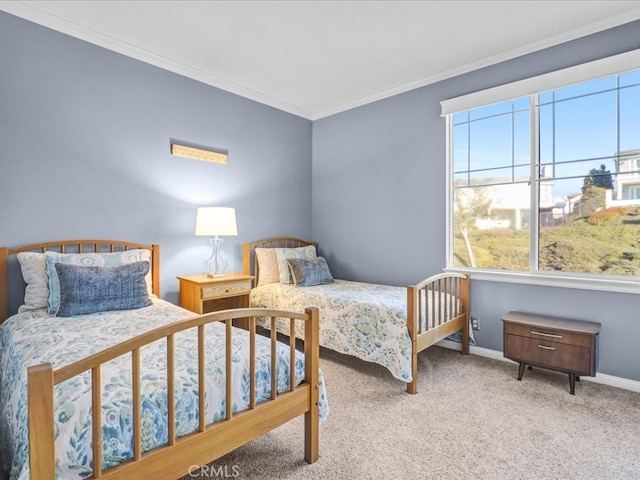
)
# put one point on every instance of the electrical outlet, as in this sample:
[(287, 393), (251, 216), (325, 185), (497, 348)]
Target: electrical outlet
[(475, 323)]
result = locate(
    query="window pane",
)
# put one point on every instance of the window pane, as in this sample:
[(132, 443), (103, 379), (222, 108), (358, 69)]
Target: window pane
[(586, 127), (545, 98), (521, 103), (590, 232), (584, 168), (491, 227), (461, 147), (491, 110), (585, 88), (630, 118), (545, 142), (460, 117), (521, 138), (630, 78), (490, 142)]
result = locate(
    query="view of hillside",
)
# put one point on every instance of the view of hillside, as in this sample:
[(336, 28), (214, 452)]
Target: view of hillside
[(605, 242)]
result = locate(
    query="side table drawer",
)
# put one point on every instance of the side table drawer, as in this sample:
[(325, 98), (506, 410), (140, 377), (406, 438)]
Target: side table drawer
[(220, 291), (561, 356), (545, 334)]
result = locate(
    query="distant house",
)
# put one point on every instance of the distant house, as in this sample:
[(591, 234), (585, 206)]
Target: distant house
[(510, 203), (627, 190)]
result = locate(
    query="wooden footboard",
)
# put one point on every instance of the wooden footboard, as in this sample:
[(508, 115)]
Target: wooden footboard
[(444, 301), (211, 441)]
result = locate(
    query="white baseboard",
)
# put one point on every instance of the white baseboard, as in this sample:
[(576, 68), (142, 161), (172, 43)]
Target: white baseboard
[(603, 378)]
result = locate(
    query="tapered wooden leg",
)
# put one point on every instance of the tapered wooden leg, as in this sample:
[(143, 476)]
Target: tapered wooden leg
[(521, 370), (412, 387), (311, 435), (572, 383)]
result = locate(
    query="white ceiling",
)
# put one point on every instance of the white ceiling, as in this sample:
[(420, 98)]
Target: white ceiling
[(316, 58)]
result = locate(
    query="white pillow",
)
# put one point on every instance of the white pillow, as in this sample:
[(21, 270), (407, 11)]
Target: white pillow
[(34, 273), (267, 266), (282, 254)]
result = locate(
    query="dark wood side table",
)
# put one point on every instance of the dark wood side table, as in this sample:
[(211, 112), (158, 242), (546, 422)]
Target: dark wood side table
[(554, 343)]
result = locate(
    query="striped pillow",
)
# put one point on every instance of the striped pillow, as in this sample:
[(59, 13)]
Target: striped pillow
[(267, 266)]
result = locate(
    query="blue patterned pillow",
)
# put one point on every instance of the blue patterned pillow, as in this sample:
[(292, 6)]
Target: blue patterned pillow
[(89, 259), (306, 272), (91, 289)]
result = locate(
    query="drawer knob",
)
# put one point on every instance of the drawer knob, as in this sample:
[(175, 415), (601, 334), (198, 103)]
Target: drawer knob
[(546, 334)]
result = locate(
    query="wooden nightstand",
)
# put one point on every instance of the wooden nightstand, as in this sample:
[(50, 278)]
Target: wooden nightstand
[(553, 343), (203, 294)]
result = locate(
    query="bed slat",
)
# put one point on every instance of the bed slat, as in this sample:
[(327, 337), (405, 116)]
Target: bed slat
[(229, 368), (252, 362), (96, 421), (137, 405), (274, 365), (292, 355), (171, 390), (201, 381)]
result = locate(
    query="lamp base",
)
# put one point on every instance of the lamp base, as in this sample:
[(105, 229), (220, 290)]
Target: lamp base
[(216, 275), (215, 265)]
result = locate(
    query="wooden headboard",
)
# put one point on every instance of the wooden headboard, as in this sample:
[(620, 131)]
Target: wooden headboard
[(249, 260), (74, 246)]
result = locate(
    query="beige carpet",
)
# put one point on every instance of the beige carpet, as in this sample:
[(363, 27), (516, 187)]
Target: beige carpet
[(470, 420)]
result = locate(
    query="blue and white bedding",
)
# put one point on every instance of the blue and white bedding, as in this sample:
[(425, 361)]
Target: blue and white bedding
[(366, 320), (34, 337)]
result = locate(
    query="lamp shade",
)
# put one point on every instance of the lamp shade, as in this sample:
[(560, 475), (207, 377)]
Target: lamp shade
[(212, 221)]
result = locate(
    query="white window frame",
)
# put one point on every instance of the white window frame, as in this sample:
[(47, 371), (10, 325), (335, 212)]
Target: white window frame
[(561, 78)]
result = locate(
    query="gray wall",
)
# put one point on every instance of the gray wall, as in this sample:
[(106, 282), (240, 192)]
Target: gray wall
[(84, 153), (379, 191)]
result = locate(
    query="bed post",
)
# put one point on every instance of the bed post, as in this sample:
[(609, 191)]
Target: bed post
[(42, 457), (246, 259), (412, 386), (155, 275), (312, 367), (464, 298), (4, 307)]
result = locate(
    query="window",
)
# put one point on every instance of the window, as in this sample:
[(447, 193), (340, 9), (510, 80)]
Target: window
[(548, 183)]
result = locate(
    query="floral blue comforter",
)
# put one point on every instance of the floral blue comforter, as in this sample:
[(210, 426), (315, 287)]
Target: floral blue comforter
[(34, 337), (366, 320)]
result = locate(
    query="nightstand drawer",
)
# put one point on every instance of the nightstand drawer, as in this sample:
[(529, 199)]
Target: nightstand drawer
[(226, 290), (556, 355), (548, 334)]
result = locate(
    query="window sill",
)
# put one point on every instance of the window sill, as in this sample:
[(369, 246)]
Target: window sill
[(552, 280)]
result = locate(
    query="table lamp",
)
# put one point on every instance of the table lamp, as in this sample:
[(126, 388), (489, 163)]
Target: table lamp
[(211, 222)]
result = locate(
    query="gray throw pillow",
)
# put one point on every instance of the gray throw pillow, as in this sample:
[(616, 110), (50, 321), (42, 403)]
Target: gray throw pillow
[(91, 289), (306, 272)]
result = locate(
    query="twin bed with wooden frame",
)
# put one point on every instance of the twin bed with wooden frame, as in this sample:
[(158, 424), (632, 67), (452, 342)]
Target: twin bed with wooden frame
[(145, 447), (377, 323)]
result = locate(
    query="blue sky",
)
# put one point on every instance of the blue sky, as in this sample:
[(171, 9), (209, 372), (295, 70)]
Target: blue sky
[(578, 125)]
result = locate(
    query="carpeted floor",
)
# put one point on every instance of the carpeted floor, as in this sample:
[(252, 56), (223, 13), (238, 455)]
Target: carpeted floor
[(470, 420)]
